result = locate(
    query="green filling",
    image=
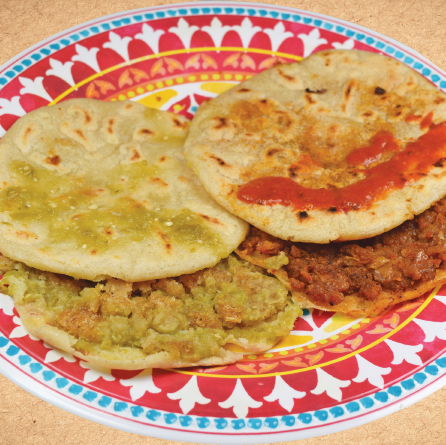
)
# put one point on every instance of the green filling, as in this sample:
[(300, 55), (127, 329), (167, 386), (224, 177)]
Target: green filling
[(190, 317), (97, 216)]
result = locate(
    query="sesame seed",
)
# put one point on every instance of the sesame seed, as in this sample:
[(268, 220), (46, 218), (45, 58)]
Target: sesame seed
[(168, 223), (200, 241), (165, 138), (84, 246), (93, 207), (53, 205), (73, 208), (35, 179)]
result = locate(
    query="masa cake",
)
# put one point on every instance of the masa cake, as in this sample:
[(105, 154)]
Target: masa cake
[(189, 320), (343, 145), (95, 189)]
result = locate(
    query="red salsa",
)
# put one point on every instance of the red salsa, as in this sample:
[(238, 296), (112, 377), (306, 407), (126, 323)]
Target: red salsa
[(406, 166)]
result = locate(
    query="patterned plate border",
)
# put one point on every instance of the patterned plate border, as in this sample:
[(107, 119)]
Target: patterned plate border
[(47, 384), (74, 398)]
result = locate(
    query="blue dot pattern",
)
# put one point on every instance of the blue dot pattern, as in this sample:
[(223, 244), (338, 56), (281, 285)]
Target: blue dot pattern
[(269, 423), (366, 403), (77, 36)]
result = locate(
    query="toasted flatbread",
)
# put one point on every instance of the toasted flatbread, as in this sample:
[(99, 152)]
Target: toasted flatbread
[(343, 145), (358, 278), (94, 189), (186, 321)]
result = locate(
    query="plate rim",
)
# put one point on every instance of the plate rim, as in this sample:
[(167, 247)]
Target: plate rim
[(88, 412)]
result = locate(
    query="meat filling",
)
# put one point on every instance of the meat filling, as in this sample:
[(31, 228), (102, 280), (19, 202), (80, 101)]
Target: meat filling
[(395, 261)]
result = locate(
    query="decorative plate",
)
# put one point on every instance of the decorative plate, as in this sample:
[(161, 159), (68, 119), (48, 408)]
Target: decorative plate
[(333, 372)]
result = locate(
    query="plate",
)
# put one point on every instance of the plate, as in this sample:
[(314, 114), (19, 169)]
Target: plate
[(333, 372)]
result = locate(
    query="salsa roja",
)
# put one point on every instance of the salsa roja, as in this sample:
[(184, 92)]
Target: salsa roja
[(380, 178)]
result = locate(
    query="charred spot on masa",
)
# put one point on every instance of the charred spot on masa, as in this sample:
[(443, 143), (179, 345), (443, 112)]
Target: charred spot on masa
[(178, 124), (322, 91), (94, 252), (210, 219), (53, 160), (286, 76), (408, 199), (243, 90), (439, 100), (27, 132), (162, 158), (440, 162), (219, 160), (368, 114), (380, 91), (135, 155), (110, 126), (24, 235), (273, 151), (303, 215), (222, 123), (398, 113), (107, 231), (420, 187), (80, 133), (292, 170), (128, 106), (333, 209), (168, 246), (333, 129), (91, 191), (146, 132), (87, 116), (309, 99), (156, 180), (163, 236), (349, 89)]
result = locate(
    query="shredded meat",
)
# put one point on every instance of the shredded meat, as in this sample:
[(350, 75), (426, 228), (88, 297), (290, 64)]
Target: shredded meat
[(396, 261)]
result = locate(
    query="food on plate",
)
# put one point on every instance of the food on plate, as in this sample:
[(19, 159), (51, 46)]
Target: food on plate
[(171, 322), (358, 278), (96, 189), (343, 145)]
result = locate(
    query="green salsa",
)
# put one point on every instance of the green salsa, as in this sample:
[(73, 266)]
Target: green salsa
[(91, 215)]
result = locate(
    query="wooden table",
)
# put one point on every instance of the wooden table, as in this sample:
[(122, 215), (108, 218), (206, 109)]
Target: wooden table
[(420, 24)]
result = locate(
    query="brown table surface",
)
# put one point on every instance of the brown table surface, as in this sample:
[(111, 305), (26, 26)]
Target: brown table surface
[(420, 24)]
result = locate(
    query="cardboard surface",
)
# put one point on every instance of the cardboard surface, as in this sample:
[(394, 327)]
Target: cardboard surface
[(25, 419)]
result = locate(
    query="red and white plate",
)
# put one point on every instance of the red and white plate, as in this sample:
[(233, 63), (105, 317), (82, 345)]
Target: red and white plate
[(333, 372)]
